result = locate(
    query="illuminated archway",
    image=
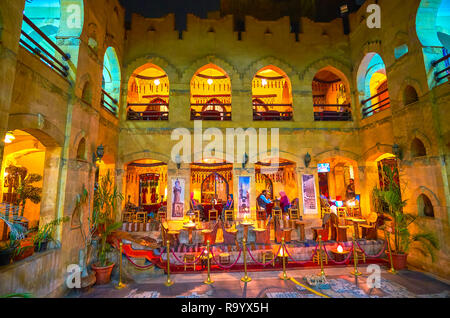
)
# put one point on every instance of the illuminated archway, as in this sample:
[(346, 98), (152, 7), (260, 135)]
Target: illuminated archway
[(148, 94), (433, 31), (111, 81), (372, 85), (331, 96), (211, 94), (272, 95)]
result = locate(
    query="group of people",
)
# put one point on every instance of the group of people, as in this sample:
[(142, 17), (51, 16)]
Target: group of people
[(263, 201)]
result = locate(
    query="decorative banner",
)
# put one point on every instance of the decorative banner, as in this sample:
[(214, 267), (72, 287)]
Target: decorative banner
[(244, 196), (309, 194), (178, 186)]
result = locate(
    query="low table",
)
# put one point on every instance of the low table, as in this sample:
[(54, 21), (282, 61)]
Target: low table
[(339, 256)]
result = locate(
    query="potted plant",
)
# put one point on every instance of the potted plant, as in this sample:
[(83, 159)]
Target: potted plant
[(104, 215), (8, 249), (391, 197), (46, 233)]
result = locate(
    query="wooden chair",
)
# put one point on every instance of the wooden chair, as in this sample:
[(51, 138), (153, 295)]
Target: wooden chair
[(229, 215), (189, 258), (342, 212), (268, 256), (261, 214), (277, 212), (293, 214), (212, 215), (324, 211), (141, 217), (316, 257), (369, 230), (197, 215), (162, 215), (127, 217)]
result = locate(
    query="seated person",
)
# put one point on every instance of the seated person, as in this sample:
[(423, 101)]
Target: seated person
[(285, 204), (228, 206), (196, 206), (262, 200)]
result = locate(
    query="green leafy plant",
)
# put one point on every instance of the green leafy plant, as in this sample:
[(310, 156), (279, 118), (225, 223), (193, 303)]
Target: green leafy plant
[(106, 199), (391, 197), (46, 232), (21, 184), (16, 234)]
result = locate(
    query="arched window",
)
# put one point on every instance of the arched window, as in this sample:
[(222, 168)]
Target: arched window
[(148, 94), (81, 150), (86, 94), (372, 85), (410, 95), (418, 148), (433, 31), (42, 24), (425, 207), (272, 95), (211, 85), (111, 81), (331, 96)]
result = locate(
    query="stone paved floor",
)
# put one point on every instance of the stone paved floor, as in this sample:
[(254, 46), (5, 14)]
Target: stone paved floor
[(406, 284)]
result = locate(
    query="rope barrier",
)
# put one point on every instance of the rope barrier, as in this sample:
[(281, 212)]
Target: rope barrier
[(372, 256), (339, 263), (262, 264), (136, 265), (310, 289), (300, 262), (188, 263), (230, 266)]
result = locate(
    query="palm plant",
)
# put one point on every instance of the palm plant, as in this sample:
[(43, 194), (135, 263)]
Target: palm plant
[(105, 214), (391, 197), (46, 233), (17, 231), (26, 191)]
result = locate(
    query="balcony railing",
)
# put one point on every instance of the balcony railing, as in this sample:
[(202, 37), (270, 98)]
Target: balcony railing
[(197, 112), (48, 58), (147, 115), (444, 73), (322, 112), (272, 115), (109, 103), (369, 110)]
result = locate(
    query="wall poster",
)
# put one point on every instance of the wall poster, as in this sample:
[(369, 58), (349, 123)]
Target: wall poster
[(309, 194), (244, 197), (178, 186)]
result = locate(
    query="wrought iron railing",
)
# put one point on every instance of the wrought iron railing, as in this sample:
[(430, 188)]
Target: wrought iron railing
[(440, 75), (148, 115), (197, 112), (48, 58), (369, 110), (272, 115), (322, 112), (109, 103)]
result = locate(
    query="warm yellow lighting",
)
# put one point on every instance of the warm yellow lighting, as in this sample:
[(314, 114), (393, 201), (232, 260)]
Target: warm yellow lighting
[(9, 137), (157, 82), (5, 175), (264, 82), (210, 81), (340, 249)]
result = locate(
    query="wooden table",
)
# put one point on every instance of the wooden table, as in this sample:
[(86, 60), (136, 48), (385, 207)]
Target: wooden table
[(356, 223), (190, 227), (246, 224), (287, 234), (342, 233), (300, 226)]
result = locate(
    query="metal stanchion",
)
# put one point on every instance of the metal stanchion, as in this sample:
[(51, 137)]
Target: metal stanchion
[(245, 278), (208, 280), (168, 282), (284, 276), (387, 236), (120, 285), (322, 272), (355, 271)]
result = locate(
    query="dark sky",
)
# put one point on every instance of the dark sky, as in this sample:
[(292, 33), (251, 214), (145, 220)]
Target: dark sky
[(325, 9)]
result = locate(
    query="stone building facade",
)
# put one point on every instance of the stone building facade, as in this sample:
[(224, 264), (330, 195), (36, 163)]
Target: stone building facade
[(62, 111)]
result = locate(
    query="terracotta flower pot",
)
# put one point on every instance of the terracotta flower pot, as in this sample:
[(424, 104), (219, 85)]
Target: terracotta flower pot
[(103, 274), (399, 261)]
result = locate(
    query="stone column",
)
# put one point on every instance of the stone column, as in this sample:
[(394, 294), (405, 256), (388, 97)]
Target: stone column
[(49, 189)]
